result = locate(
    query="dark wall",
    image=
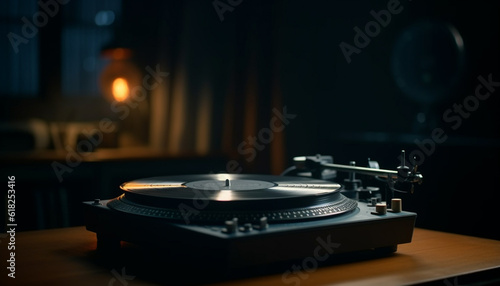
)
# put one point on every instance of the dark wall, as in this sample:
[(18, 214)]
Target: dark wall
[(356, 110), (288, 54)]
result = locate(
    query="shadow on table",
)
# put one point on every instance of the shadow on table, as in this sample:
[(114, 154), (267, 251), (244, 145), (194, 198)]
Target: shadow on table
[(175, 267)]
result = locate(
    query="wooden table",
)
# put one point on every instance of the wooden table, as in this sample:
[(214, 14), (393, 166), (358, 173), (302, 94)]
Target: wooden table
[(67, 256)]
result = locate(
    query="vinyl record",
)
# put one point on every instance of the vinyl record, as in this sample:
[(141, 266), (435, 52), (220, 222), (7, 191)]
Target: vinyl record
[(230, 187), (216, 197)]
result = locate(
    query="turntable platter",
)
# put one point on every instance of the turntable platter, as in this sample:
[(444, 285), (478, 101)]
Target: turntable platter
[(218, 197)]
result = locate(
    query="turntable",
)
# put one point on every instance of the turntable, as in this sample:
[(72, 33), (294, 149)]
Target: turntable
[(247, 220)]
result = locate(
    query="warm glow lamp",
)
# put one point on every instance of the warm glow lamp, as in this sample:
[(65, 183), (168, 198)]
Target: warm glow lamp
[(119, 76), (120, 89)]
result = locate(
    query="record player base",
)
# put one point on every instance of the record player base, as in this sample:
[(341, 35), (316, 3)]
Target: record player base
[(67, 256), (317, 241)]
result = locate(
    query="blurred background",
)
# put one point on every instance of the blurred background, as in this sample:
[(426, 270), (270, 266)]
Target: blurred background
[(96, 93)]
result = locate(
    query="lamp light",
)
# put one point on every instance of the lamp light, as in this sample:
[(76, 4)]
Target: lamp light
[(119, 76)]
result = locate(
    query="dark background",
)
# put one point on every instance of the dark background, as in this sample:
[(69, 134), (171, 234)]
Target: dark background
[(227, 74)]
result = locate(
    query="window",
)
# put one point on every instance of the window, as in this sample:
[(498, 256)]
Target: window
[(19, 65), (48, 43), (87, 27)]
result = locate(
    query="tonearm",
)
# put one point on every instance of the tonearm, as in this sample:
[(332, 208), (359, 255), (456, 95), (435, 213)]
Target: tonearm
[(401, 180)]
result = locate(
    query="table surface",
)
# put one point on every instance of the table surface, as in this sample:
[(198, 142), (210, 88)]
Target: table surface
[(67, 256)]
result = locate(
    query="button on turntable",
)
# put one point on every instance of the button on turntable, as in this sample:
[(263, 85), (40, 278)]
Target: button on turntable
[(396, 206), (230, 226), (247, 227), (263, 223), (380, 209)]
